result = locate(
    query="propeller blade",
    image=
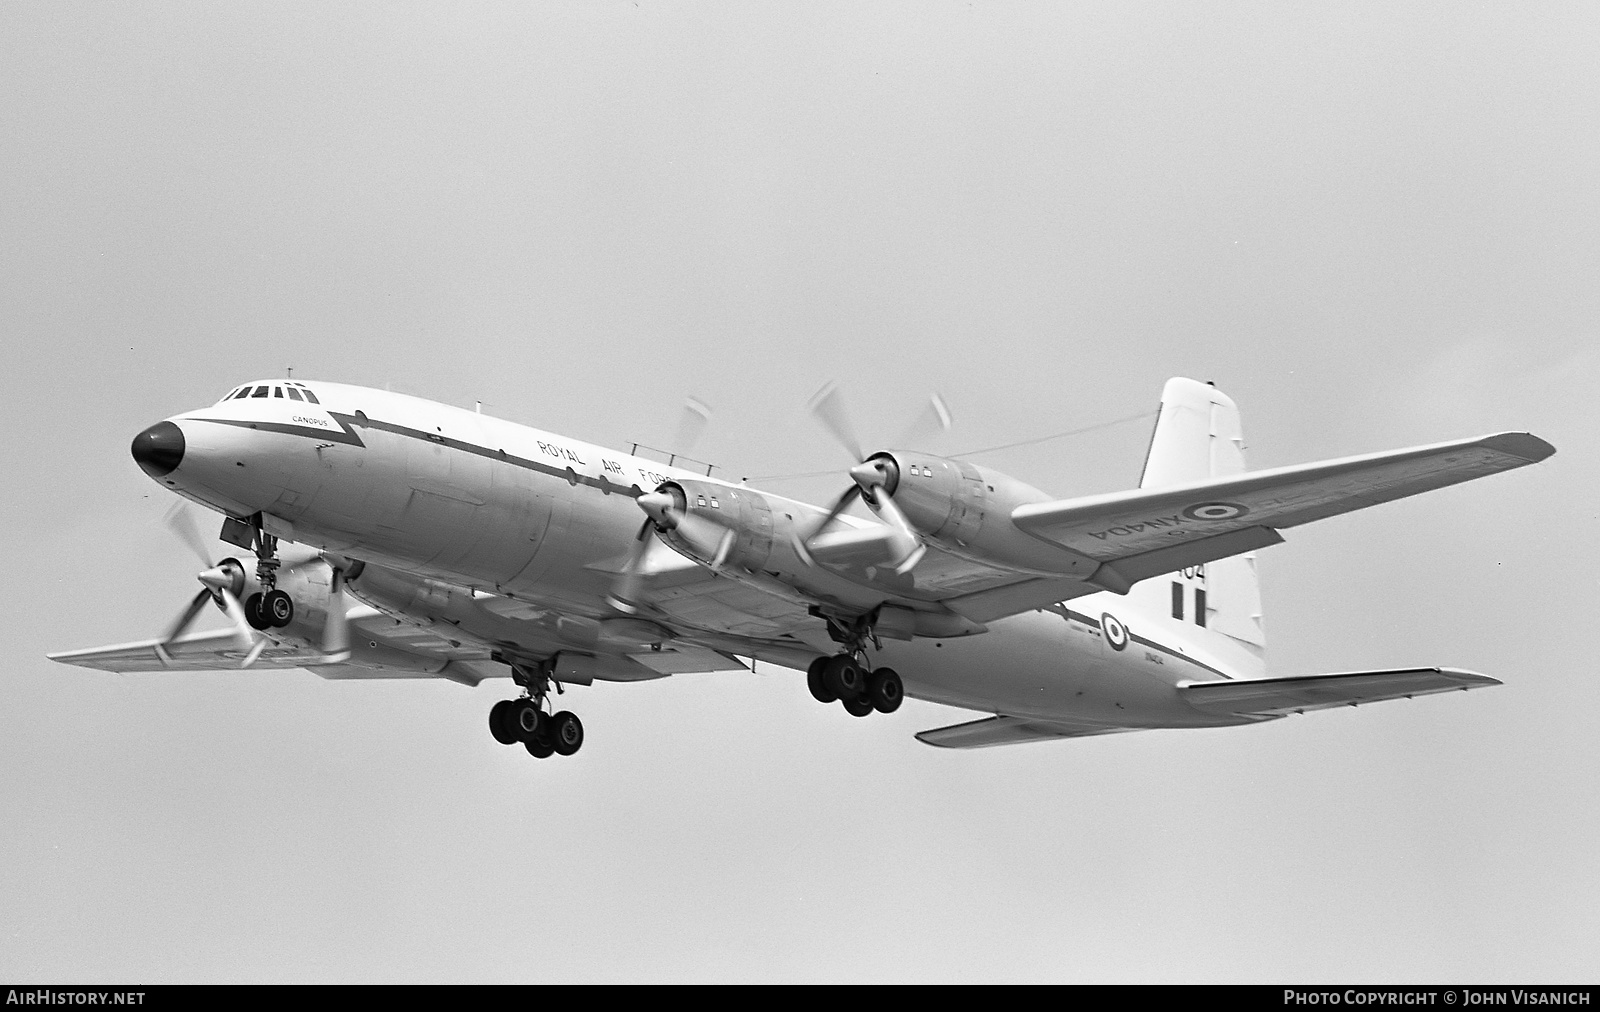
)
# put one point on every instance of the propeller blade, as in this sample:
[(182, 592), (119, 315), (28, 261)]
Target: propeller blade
[(625, 590), (828, 408), (243, 635), (912, 548), (691, 425), (933, 421), (709, 538), (255, 652), (802, 546), (186, 619), (336, 631), (181, 522)]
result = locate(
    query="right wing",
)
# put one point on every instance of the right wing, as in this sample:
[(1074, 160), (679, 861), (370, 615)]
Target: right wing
[(1143, 533)]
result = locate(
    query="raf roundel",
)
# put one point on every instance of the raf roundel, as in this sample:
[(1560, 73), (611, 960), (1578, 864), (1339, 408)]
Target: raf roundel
[(1215, 511), (1116, 632)]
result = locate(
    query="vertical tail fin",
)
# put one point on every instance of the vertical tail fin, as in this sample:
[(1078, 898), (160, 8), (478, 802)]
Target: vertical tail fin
[(1197, 436)]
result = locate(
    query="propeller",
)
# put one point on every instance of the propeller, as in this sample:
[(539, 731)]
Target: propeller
[(220, 582), (872, 477), (691, 425), (336, 631), (668, 511)]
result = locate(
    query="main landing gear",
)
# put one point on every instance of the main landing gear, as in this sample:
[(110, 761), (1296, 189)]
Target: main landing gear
[(525, 720), (270, 608), (845, 679)]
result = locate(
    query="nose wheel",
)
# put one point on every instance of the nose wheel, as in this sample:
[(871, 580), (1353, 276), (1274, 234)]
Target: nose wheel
[(843, 679)]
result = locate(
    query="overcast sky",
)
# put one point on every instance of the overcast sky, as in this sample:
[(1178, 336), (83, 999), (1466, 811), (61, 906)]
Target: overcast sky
[(1374, 225)]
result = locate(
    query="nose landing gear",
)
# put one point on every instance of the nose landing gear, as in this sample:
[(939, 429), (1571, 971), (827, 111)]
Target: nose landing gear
[(524, 719), (271, 608)]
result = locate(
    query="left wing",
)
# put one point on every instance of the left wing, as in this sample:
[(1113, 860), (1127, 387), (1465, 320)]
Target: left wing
[(380, 648)]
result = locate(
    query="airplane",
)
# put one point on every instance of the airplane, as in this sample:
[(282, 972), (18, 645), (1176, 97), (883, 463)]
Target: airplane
[(474, 547)]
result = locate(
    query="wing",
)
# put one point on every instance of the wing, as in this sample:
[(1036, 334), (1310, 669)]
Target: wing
[(203, 651), (1139, 534), (1003, 730), (380, 648), (1297, 694)]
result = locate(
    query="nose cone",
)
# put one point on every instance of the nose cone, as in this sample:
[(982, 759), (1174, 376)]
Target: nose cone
[(159, 449)]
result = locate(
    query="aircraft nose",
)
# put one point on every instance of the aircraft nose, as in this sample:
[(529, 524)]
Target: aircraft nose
[(159, 449)]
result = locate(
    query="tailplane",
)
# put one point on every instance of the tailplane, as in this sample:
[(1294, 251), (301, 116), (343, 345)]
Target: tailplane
[(1198, 437)]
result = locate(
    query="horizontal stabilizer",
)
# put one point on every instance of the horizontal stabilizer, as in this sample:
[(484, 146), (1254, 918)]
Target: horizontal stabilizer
[(1010, 731), (1297, 694)]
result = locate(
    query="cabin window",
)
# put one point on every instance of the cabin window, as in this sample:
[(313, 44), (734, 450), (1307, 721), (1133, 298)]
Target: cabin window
[(1177, 600), (294, 394), (260, 392)]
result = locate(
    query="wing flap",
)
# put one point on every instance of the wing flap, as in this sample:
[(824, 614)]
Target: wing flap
[(1002, 730), (1299, 693), (1117, 526)]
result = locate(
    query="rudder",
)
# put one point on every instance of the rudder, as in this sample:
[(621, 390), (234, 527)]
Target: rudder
[(1198, 437)]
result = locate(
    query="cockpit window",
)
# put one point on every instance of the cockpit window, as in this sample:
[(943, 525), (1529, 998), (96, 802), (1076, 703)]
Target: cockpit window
[(294, 394), (310, 396), (277, 391), (260, 392)]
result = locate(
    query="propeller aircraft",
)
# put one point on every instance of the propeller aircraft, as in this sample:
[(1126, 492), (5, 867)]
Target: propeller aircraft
[(395, 537)]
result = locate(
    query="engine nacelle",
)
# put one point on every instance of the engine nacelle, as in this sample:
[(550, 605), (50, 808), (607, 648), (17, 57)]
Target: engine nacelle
[(966, 508), (745, 513)]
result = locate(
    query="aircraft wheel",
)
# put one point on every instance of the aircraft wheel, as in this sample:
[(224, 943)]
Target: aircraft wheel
[(539, 748), (500, 723), (843, 677), (858, 707), (816, 683), (525, 721), (886, 690), (277, 609), (252, 612), (566, 731)]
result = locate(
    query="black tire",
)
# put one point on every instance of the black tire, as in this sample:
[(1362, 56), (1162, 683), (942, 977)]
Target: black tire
[(566, 732), (500, 723), (539, 748), (252, 612), (886, 690), (843, 677), (815, 682), (277, 609), (858, 707), (525, 721)]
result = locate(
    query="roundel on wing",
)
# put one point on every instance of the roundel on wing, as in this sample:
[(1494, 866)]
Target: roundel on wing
[(1216, 511), (1116, 632)]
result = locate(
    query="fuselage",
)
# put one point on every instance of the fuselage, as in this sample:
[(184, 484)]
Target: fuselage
[(450, 498)]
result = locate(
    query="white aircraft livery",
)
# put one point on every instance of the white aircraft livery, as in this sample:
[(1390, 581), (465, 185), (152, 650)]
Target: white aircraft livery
[(395, 537)]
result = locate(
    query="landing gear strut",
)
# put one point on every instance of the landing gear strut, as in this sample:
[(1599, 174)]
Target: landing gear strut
[(525, 719), (848, 679), (271, 608)]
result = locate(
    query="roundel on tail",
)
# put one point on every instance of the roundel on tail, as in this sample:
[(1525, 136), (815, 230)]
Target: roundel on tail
[(1116, 633)]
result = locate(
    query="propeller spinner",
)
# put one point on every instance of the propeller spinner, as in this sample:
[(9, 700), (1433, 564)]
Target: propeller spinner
[(873, 478)]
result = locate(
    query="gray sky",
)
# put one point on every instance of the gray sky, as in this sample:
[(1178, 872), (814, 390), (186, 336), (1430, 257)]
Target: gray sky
[(1373, 225)]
